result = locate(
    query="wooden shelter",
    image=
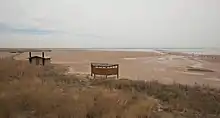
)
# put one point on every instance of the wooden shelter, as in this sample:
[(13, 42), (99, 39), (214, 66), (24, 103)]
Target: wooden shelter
[(37, 60), (104, 69)]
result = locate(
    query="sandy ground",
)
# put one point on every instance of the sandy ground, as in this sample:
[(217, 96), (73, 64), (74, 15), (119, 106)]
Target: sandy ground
[(164, 67), (5, 54)]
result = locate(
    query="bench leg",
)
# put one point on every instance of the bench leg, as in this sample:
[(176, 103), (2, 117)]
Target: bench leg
[(94, 76)]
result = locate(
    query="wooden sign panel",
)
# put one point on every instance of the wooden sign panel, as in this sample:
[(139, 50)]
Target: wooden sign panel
[(104, 69)]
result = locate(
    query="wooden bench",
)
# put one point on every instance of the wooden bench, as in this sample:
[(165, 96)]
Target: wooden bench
[(104, 69)]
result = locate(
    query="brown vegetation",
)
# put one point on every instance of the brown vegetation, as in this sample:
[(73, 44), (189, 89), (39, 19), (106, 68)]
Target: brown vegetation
[(199, 69), (28, 91)]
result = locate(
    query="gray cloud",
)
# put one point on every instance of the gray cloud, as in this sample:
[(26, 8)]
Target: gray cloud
[(5, 28)]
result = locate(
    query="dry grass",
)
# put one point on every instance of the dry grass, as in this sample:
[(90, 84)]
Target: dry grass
[(36, 92), (186, 100), (28, 91)]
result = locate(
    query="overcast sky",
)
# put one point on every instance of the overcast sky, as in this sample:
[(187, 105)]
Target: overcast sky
[(109, 23)]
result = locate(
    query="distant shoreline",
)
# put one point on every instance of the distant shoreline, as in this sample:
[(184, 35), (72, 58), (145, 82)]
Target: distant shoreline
[(199, 51)]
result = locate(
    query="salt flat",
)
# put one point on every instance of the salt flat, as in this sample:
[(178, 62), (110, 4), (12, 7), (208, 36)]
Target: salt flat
[(164, 67)]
